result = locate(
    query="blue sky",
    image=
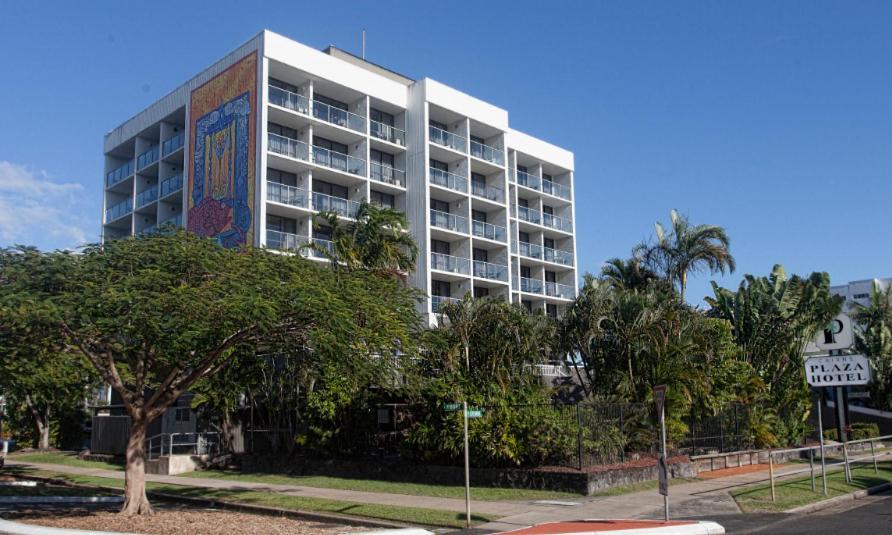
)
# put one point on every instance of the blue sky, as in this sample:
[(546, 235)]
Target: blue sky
[(772, 119)]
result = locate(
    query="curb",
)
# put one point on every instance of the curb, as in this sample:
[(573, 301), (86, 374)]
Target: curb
[(649, 527), (858, 494), (9, 527), (240, 507)]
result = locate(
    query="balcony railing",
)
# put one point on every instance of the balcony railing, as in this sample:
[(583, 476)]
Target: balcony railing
[(289, 147), (287, 99), (485, 152), (322, 247), (119, 174), (176, 221), (488, 231), (330, 114), (147, 158), (554, 289), (171, 184), (486, 270), (387, 132), (558, 190), (285, 194), (173, 144), (488, 192), (147, 196), (438, 301), (118, 211), (327, 203), (529, 250), (452, 264), (557, 222), (528, 180), (447, 139), (448, 221), (339, 161), (558, 256), (449, 180), (386, 174), (528, 214), (285, 241), (533, 286)]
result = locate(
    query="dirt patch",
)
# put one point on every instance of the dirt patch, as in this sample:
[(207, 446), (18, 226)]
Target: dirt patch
[(737, 470), (175, 521)]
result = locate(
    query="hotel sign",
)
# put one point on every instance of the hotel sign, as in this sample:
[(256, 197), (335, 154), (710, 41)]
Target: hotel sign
[(842, 370)]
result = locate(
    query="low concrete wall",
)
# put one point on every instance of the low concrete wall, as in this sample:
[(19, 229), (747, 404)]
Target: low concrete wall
[(175, 464)]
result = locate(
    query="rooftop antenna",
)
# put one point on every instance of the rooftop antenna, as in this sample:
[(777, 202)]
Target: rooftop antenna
[(363, 43)]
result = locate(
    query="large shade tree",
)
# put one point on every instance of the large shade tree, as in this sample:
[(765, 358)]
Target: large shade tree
[(874, 339)]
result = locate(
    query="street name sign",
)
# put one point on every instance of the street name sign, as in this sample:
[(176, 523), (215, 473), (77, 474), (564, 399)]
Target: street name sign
[(475, 413), (451, 407), (841, 370)]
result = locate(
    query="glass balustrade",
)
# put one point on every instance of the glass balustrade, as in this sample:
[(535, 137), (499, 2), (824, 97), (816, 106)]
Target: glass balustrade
[(533, 286), (118, 210), (485, 152), (447, 221), (288, 147), (488, 192), (171, 184), (487, 270), (554, 289), (558, 190), (529, 181), (447, 139), (488, 231), (147, 158), (528, 214), (323, 248), (287, 99), (386, 174), (529, 250), (176, 221), (338, 161), (119, 174), (558, 256), (285, 194), (387, 133), (285, 241), (327, 203), (556, 222), (449, 180), (147, 196), (438, 301), (452, 264), (173, 144), (330, 114)]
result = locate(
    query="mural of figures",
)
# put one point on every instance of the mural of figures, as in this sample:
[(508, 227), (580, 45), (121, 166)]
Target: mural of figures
[(223, 150)]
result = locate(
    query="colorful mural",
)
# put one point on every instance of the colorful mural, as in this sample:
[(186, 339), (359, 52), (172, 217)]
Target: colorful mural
[(223, 145)]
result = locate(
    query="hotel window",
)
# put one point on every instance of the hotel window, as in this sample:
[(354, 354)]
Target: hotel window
[(281, 224), (383, 158), (283, 85), (440, 206), (438, 124), (282, 177), (334, 190), (383, 200), (441, 288), (440, 247), (381, 117), (330, 101), (551, 310), (480, 291), (284, 131)]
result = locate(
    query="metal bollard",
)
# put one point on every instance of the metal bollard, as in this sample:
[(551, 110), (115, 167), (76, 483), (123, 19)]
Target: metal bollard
[(811, 466), (771, 476)]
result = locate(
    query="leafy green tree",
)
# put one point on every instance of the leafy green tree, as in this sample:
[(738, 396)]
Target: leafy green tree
[(685, 248), (628, 274), (874, 339), (37, 368)]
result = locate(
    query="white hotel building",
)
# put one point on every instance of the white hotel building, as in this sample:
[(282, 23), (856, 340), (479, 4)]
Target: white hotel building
[(491, 208)]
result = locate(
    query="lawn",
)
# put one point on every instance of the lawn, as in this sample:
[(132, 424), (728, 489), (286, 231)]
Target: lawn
[(796, 492), (391, 487), (63, 458), (409, 515)]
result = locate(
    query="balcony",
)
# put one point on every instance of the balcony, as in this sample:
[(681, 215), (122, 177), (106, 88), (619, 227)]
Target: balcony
[(488, 231), (563, 291), (338, 161), (327, 203), (119, 174), (288, 147), (148, 157), (438, 301), (285, 241), (448, 180), (558, 190), (323, 248), (529, 250), (447, 139), (285, 194), (387, 133), (387, 175), (559, 223), (486, 270), (173, 144), (485, 152), (176, 221), (529, 181), (532, 286), (451, 264), (287, 99), (528, 214), (455, 223), (147, 197), (171, 185), (557, 256), (339, 117), (119, 210), (488, 192)]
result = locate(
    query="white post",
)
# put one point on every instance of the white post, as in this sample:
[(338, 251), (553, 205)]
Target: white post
[(665, 460), (821, 440), (467, 468)]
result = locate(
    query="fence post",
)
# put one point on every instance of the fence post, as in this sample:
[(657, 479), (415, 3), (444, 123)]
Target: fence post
[(771, 476), (579, 436), (811, 466), (722, 433), (873, 454), (622, 433), (845, 456)]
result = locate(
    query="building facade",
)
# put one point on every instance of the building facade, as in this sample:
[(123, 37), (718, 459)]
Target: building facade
[(253, 148), (860, 291)]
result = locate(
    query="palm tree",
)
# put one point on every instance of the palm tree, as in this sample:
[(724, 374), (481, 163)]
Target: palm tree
[(685, 249), (629, 274), (874, 338)]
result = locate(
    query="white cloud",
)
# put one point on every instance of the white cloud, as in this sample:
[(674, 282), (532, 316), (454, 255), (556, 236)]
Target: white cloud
[(36, 210)]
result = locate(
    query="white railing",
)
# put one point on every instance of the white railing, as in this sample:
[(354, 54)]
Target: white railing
[(285, 194), (485, 152), (386, 174), (339, 161), (486, 270), (288, 147), (489, 231), (448, 180), (558, 256), (533, 286), (182, 444), (530, 181), (549, 370), (529, 250), (447, 139), (528, 214), (285, 241), (556, 222), (488, 192), (327, 203), (554, 289), (438, 301), (387, 132), (452, 264), (448, 221), (337, 116), (558, 190), (287, 99)]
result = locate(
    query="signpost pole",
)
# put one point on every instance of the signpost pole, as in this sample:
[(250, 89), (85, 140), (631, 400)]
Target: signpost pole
[(771, 476), (821, 441), (811, 467), (660, 399), (840, 414), (467, 468)]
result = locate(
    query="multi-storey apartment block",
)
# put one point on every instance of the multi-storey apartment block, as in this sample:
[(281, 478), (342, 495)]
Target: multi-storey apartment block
[(252, 149)]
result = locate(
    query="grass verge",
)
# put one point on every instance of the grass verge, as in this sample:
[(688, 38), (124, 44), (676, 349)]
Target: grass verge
[(63, 458), (797, 492), (408, 515)]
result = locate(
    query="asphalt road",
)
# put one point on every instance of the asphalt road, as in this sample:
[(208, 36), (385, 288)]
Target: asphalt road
[(871, 515)]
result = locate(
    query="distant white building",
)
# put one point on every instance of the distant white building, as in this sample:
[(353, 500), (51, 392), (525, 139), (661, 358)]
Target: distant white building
[(859, 291)]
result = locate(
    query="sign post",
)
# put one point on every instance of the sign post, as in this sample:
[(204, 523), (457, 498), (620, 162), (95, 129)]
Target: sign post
[(660, 401), (820, 405), (466, 413)]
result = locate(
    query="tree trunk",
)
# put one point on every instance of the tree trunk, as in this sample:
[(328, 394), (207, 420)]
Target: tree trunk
[(228, 430), (41, 422), (135, 500)]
